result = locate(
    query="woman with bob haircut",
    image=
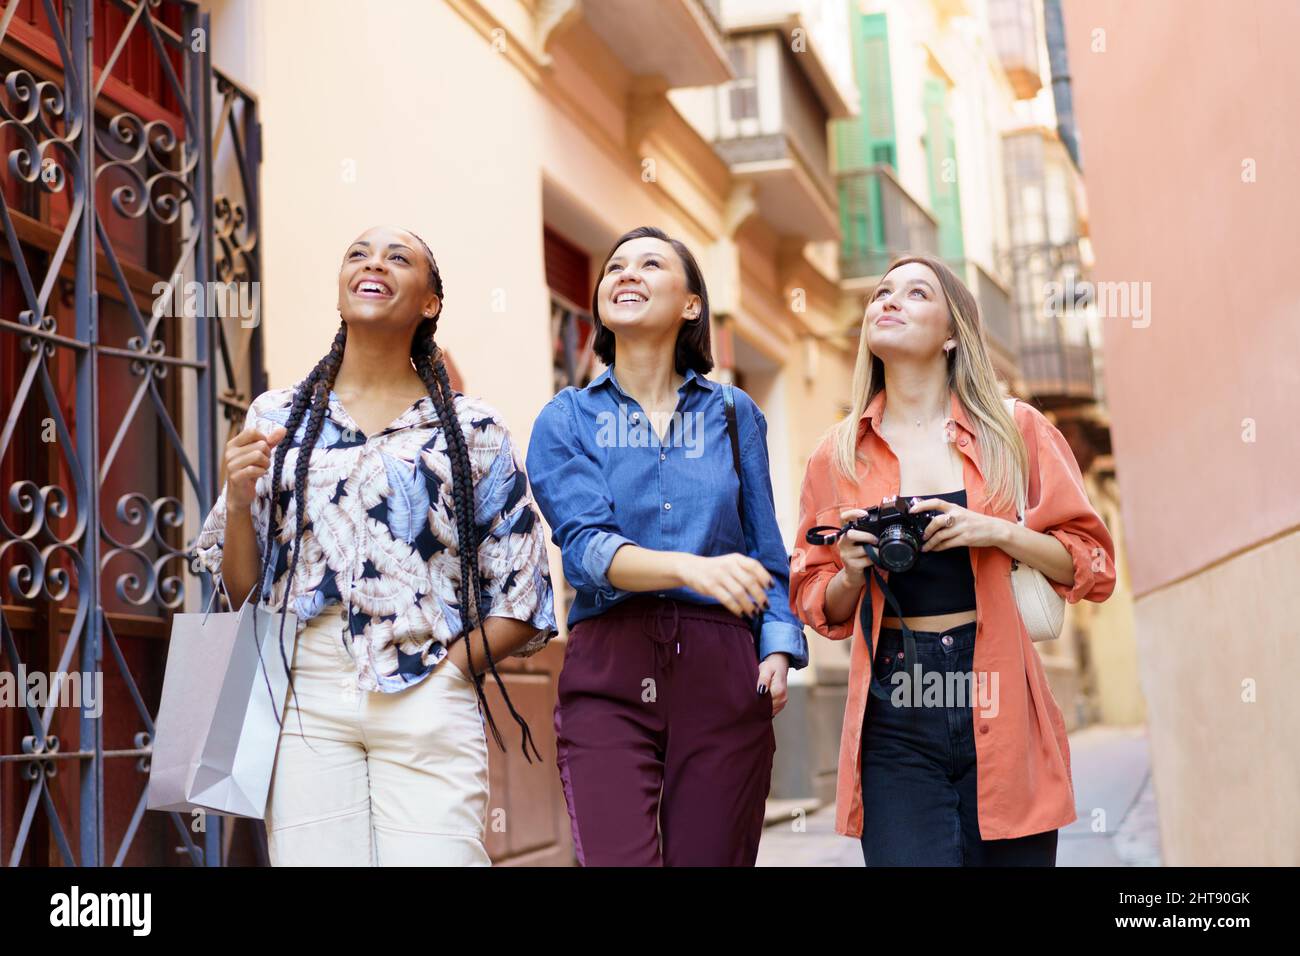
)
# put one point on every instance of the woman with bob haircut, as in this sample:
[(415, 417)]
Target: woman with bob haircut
[(657, 491)]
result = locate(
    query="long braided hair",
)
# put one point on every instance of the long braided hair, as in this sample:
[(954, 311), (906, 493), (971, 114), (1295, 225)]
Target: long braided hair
[(311, 398)]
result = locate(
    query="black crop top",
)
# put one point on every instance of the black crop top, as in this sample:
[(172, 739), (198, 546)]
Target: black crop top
[(941, 582)]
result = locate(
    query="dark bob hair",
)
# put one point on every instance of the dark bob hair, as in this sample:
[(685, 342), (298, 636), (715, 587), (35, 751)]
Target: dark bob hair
[(693, 349)]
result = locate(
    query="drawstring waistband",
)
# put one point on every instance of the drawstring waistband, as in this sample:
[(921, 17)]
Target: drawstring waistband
[(651, 627)]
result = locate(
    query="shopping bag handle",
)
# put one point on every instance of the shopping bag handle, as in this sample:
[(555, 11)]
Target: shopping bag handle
[(221, 585)]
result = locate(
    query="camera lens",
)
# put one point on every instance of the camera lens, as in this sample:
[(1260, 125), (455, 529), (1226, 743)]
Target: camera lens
[(898, 548)]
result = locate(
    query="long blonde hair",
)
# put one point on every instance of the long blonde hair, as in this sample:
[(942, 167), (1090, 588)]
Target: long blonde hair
[(1004, 459)]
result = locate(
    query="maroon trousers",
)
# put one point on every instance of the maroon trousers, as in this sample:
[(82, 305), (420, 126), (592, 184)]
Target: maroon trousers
[(663, 742)]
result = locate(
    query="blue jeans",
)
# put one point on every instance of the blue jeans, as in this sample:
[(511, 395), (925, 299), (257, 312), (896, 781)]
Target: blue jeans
[(918, 769)]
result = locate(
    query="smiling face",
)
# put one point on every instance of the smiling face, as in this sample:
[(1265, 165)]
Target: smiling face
[(908, 314), (644, 290), (384, 279)]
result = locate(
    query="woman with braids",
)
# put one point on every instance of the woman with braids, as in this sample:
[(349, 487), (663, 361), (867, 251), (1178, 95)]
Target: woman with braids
[(403, 535), (658, 494)]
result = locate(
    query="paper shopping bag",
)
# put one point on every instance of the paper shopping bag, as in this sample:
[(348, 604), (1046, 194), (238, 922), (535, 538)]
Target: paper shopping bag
[(218, 723)]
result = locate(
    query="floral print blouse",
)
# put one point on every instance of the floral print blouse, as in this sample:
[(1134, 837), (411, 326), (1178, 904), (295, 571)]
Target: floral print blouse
[(380, 537)]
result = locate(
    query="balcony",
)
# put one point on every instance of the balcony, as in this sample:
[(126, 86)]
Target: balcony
[(1015, 38), (818, 29), (880, 221), (680, 40), (997, 317), (769, 125), (1057, 374)]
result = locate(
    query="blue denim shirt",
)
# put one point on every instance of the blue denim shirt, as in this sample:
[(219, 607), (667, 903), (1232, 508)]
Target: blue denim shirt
[(602, 479)]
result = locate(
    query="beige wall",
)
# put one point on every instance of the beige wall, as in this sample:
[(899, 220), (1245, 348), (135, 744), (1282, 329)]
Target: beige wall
[(1220, 657), (386, 95), (1183, 94)]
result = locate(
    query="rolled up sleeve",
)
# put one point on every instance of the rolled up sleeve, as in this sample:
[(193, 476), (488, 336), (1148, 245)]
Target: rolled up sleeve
[(1059, 506), (209, 547), (575, 500), (512, 555), (813, 565), (208, 551)]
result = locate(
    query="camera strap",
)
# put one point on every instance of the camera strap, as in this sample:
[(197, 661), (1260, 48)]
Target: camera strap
[(865, 618)]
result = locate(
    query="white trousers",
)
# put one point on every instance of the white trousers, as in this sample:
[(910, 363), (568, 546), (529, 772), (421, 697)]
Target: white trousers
[(375, 779)]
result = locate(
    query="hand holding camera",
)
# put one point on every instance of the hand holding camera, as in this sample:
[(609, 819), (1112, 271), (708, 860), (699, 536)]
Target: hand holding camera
[(852, 546), (891, 535)]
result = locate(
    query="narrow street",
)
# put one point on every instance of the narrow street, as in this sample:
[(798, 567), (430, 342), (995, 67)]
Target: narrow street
[(1117, 823)]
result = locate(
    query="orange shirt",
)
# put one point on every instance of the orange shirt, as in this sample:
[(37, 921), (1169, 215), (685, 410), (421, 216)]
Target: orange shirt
[(1022, 754)]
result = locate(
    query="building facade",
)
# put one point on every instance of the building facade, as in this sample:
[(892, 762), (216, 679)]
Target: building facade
[(1177, 106)]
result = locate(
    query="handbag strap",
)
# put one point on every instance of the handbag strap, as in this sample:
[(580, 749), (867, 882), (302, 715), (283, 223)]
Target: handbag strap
[(1022, 490), (733, 433)]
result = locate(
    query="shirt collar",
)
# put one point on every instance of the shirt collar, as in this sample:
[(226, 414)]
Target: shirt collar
[(875, 410), (418, 414), (607, 377)]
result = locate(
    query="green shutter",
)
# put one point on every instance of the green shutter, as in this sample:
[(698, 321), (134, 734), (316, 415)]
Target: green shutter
[(940, 145), (865, 140), (868, 139)]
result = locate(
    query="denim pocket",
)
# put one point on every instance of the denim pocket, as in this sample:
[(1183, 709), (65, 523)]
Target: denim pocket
[(887, 664)]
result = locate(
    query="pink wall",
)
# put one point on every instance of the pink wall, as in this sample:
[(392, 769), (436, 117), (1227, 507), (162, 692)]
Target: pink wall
[(1185, 91)]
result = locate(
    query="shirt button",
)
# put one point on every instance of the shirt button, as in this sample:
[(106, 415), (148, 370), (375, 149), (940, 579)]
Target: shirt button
[(662, 456), (668, 506), (635, 418)]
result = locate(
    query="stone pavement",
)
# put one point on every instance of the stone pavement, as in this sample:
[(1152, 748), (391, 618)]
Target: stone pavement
[(1117, 823)]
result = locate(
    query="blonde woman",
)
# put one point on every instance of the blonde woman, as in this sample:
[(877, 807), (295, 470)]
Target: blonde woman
[(953, 751)]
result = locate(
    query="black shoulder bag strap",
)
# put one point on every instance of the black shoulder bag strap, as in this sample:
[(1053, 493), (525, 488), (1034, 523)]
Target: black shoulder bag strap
[(733, 432)]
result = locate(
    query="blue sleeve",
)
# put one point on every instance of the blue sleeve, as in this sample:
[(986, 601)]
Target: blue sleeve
[(781, 631), (575, 500)]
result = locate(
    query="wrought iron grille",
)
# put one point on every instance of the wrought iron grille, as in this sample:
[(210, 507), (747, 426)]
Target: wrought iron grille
[(128, 161)]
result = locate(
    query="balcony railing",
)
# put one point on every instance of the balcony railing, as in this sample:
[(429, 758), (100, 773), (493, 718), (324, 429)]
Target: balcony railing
[(1058, 372), (996, 314), (879, 221)]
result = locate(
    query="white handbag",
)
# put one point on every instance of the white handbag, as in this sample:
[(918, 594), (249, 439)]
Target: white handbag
[(1041, 608)]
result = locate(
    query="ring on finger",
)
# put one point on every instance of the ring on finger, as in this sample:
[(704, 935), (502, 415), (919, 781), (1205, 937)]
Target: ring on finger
[(951, 520)]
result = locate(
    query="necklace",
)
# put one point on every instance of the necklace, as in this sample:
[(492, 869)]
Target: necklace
[(917, 423)]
